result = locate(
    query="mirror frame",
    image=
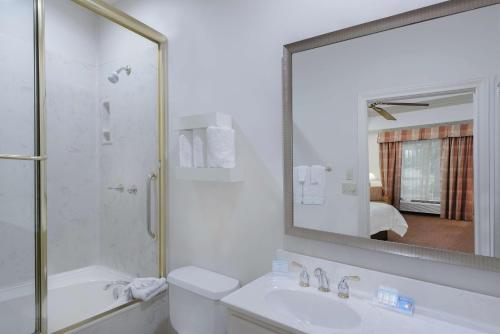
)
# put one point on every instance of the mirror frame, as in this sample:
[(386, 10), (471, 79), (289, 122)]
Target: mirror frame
[(439, 10)]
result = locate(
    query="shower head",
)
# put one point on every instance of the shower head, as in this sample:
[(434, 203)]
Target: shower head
[(114, 77)]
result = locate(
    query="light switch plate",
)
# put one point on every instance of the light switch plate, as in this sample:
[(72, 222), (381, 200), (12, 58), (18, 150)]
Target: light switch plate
[(349, 188), (349, 174)]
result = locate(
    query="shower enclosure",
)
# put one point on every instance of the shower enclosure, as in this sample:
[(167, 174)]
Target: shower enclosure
[(82, 161)]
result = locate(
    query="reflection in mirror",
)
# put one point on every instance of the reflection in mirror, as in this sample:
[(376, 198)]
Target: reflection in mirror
[(392, 135), (421, 171)]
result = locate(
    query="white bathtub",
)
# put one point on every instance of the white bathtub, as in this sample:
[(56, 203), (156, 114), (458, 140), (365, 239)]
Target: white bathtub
[(73, 296), (79, 294)]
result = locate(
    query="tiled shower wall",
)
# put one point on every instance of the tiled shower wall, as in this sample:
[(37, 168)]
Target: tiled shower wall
[(72, 138), (125, 244), (87, 223), (16, 180)]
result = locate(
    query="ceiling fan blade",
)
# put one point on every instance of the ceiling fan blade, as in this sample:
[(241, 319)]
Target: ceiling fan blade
[(384, 113), (408, 104)]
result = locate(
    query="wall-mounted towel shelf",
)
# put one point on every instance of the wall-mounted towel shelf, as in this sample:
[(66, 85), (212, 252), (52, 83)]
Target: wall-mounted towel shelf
[(204, 121), (196, 123), (210, 174)]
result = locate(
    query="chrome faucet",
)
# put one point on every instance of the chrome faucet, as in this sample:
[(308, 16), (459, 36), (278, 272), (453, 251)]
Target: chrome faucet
[(323, 282), (304, 275), (344, 287)]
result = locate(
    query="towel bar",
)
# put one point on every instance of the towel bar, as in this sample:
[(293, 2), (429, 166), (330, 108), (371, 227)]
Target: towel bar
[(22, 157)]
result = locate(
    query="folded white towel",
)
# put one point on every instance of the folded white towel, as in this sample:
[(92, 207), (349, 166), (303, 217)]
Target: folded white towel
[(186, 148), (220, 148), (199, 148), (314, 190), (300, 176), (145, 288), (317, 174)]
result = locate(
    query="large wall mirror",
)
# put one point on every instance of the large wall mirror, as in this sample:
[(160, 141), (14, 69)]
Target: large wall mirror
[(391, 134)]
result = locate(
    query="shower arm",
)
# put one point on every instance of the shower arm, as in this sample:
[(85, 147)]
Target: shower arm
[(127, 70)]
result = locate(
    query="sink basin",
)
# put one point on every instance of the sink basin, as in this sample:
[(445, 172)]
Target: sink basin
[(313, 309)]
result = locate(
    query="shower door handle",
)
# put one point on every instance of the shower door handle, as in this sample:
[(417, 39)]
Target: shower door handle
[(22, 157), (150, 179)]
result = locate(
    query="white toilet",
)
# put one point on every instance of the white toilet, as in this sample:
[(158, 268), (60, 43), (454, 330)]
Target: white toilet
[(194, 300)]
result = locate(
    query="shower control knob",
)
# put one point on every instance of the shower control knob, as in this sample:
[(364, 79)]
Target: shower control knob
[(132, 190), (120, 188)]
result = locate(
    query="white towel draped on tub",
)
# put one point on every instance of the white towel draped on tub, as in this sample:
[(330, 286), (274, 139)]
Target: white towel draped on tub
[(186, 148), (145, 288), (200, 148), (220, 147), (314, 190)]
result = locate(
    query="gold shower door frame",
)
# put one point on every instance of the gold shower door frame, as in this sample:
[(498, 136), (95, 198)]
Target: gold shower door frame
[(40, 154)]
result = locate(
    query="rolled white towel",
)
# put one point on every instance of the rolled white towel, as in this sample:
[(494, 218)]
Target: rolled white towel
[(186, 148), (145, 288), (199, 147), (220, 147)]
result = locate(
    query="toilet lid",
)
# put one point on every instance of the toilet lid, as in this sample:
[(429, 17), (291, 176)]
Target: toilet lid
[(203, 282)]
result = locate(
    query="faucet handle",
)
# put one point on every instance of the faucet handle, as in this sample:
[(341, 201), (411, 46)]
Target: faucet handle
[(343, 287), (304, 275), (323, 282)]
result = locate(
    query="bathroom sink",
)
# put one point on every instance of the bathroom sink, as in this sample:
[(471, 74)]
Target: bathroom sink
[(313, 309)]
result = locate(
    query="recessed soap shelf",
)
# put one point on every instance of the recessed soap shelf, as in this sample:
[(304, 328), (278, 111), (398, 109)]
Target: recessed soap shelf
[(106, 123)]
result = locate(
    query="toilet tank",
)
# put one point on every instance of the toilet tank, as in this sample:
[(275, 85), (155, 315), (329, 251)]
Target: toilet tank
[(194, 300)]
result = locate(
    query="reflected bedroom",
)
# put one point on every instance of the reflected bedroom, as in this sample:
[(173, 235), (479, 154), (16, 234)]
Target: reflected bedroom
[(421, 171)]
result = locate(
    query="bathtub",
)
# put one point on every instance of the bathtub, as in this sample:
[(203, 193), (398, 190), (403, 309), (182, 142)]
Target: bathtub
[(73, 296), (79, 294)]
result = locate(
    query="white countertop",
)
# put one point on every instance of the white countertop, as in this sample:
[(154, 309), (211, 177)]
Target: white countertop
[(251, 301)]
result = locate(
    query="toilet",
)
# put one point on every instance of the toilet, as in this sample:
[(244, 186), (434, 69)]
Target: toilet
[(194, 300)]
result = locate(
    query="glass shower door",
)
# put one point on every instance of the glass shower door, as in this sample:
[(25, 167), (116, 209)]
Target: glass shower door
[(17, 168)]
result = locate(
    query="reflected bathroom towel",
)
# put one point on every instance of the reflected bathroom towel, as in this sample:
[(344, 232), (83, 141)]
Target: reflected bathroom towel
[(300, 176), (199, 148), (314, 190), (186, 148), (220, 148), (145, 288), (317, 174)]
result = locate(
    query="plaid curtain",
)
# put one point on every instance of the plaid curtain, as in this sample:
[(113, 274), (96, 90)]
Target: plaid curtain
[(437, 132), (390, 171), (457, 178)]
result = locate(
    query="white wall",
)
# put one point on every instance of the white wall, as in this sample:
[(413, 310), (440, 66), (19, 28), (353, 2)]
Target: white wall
[(226, 56)]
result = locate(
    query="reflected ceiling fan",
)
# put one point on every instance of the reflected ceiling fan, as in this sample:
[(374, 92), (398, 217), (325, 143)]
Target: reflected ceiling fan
[(385, 114)]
